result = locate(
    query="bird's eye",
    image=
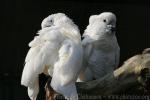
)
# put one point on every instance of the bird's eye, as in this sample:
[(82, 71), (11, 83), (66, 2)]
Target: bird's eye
[(104, 20), (51, 21)]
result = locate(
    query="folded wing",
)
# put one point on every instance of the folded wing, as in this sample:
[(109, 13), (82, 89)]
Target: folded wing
[(67, 69), (42, 53)]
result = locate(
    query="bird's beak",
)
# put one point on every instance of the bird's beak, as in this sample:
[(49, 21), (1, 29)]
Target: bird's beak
[(111, 27)]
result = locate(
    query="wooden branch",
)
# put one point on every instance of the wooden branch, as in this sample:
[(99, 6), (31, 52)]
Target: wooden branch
[(135, 72)]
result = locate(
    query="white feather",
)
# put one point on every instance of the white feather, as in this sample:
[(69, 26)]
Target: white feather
[(34, 90), (101, 50), (69, 61), (57, 47)]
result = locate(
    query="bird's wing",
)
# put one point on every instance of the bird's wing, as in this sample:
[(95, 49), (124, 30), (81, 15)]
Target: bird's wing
[(30, 80), (42, 48), (34, 90), (86, 73), (87, 46), (67, 68), (116, 52), (117, 57)]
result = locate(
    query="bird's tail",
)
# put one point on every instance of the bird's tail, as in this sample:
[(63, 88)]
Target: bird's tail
[(34, 90), (30, 80)]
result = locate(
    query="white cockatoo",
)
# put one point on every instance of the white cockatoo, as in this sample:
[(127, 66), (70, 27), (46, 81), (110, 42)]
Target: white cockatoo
[(101, 50), (57, 51)]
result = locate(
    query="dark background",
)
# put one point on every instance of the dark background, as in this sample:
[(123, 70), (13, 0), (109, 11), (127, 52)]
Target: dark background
[(21, 19)]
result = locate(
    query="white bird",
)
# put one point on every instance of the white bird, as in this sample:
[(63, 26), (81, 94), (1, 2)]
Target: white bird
[(101, 49), (57, 50)]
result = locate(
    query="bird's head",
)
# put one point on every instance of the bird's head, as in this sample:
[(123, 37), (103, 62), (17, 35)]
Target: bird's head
[(63, 21), (100, 25), (109, 20), (53, 20)]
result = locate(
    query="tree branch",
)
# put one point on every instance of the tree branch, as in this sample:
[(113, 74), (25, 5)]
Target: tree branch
[(135, 72)]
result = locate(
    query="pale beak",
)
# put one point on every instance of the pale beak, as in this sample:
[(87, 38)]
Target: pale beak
[(111, 27)]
